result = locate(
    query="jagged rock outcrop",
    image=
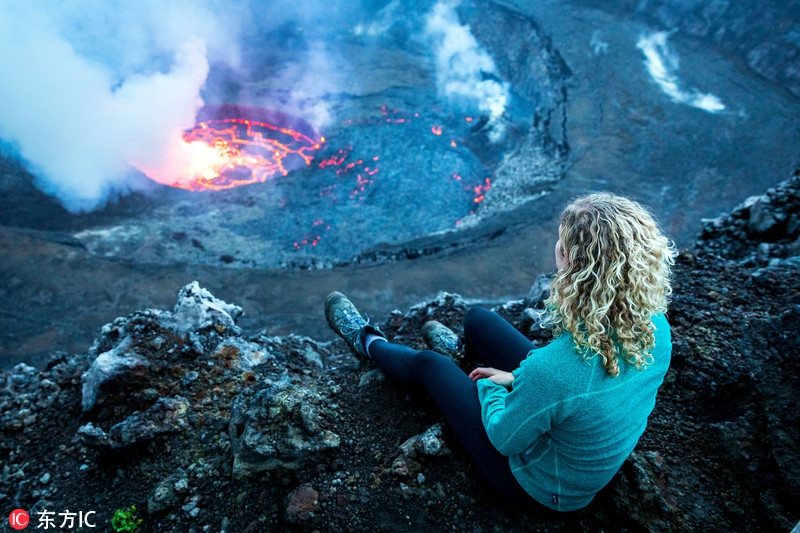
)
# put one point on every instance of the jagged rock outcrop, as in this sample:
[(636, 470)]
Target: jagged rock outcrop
[(280, 425), (762, 230), (278, 415), (167, 415)]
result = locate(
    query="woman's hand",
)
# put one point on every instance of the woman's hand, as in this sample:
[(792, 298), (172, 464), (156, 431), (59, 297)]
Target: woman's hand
[(492, 374)]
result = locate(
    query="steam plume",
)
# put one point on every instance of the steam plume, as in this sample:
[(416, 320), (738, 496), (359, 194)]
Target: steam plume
[(464, 69), (91, 89), (662, 64)]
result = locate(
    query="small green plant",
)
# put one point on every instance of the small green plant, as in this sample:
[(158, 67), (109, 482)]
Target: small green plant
[(125, 519)]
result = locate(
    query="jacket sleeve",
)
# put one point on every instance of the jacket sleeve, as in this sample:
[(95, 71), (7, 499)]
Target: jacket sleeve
[(515, 420)]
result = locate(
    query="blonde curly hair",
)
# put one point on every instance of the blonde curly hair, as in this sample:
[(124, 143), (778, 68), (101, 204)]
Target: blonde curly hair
[(617, 276)]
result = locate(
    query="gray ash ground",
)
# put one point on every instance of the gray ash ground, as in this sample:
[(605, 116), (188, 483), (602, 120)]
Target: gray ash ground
[(206, 430)]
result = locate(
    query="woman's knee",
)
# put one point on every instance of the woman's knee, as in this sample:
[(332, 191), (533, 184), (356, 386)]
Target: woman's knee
[(475, 319)]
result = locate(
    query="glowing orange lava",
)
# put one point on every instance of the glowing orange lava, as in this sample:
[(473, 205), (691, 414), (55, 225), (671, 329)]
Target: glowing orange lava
[(480, 190), (235, 145)]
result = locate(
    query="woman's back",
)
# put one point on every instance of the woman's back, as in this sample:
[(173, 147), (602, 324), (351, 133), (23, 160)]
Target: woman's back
[(568, 426)]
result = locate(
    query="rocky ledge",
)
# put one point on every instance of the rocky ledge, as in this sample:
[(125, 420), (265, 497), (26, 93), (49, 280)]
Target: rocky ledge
[(203, 429)]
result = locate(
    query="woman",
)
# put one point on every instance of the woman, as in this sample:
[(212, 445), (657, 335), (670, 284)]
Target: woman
[(554, 423)]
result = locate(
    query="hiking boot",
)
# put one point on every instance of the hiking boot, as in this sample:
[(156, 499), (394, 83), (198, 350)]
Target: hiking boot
[(348, 323), (441, 339)]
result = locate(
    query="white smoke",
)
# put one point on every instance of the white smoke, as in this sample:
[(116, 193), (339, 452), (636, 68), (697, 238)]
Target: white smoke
[(90, 89), (462, 66), (663, 66)]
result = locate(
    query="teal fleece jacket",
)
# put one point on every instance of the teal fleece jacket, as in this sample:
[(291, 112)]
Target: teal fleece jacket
[(566, 425)]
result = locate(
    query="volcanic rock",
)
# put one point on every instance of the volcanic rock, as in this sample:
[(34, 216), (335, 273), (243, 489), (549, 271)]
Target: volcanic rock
[(281, 425), (760, 229), (303, 507), (165, 494), (644, 489), (197, 310), (167, 415), (431, 442), (109, 366)]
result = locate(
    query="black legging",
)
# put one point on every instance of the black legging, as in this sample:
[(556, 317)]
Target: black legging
[(488, 338)]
